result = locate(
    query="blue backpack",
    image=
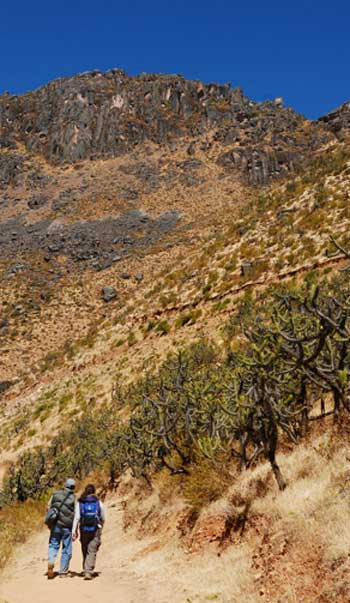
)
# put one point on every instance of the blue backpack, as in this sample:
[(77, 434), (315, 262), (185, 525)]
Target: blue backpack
[(89, 514)]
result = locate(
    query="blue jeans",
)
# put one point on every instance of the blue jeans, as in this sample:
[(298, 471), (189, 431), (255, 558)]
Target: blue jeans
[(57, 536)]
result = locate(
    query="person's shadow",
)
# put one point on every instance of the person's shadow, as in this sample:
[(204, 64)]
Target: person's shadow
[(73, 574)]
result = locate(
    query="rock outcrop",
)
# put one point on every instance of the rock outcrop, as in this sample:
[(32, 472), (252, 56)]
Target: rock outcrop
[(338, 121), (97, 114)]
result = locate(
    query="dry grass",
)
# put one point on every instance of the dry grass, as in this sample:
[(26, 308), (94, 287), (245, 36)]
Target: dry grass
[(17, 523), (292, 540), (225, 579), (206, 484), (315, 507)]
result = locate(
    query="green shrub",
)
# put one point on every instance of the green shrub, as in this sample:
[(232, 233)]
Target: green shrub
[(131, 339), (188, 318), (150, 325), (162, 327)]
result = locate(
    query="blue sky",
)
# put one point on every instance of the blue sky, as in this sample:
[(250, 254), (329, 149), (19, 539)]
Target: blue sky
[(298, 50)]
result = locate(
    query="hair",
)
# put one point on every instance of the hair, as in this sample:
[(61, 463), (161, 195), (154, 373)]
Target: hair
[(89, 489)]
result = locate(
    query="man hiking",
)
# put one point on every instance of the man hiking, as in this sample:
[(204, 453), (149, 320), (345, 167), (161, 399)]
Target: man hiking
[(64, 501), (89, 519)]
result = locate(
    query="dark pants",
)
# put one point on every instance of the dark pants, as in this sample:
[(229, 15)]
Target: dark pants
[(90, 543)]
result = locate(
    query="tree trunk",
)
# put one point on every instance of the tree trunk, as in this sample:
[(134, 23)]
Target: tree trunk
[(282, 484)]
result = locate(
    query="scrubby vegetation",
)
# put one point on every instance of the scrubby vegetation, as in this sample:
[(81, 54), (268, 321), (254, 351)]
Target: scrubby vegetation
[(286, 366)]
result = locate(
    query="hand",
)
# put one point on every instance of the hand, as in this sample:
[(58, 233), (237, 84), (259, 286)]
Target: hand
[(75, 536)]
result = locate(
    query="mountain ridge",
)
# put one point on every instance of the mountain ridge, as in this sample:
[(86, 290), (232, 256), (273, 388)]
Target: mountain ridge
[(98, 115)]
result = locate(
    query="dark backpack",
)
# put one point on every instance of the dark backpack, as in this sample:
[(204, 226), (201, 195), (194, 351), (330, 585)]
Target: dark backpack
[(53, 513), (89, 515)]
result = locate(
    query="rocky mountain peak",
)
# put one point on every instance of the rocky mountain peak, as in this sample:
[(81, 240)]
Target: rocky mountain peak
[(105, 114), (99, 115)]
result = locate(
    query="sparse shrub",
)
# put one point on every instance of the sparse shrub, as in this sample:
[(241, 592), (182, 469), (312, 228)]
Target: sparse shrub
[(162, 327), (188, 318), (43, 408), (311, 277), (206, 289), (21, 423), (221, 305), (131, 339), (64, 401), (51, 360), (206, 483), (231, 264), (150, 325), (202, 411)]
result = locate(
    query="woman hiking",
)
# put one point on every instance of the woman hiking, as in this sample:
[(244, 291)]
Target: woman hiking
[(89, 520)]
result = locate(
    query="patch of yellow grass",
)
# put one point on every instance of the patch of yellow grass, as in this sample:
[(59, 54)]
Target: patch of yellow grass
[(16, 524), (225, 579), (315, 507)]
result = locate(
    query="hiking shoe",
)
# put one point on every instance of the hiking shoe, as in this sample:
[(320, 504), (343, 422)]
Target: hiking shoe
[(87, 576), (63, 574), (50, 572)]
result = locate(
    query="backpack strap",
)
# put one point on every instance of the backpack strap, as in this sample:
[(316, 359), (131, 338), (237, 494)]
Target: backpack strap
[(63, 502)]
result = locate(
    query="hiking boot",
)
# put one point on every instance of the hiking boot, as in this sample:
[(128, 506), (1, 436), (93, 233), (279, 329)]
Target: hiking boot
[(50, 572), (87, 576)]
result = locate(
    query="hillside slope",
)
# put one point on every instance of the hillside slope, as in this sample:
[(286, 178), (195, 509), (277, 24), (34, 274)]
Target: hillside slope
[(138, 216), (68, 348), (99, 192)]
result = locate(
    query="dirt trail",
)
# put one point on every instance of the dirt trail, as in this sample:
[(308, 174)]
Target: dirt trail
[(24, 580), (131, 571)]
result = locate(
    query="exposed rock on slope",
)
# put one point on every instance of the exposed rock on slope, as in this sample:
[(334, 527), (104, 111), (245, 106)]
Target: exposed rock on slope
[(101, 242), (107, 114), (338, 121)]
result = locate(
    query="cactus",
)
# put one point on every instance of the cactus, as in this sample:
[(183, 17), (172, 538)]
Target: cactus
[(200, 407)]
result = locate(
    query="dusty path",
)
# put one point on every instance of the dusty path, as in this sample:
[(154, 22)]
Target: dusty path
[(131, 571), (24, 580)]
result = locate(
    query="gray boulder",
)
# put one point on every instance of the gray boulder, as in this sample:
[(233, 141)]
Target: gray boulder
[(3, 325), (109, 293), (246, 268), (4, 385), (37, 201)]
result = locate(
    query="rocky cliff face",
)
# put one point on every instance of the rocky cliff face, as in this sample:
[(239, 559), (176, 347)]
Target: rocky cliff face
[(96, 114), (338, 121), (106, 114)]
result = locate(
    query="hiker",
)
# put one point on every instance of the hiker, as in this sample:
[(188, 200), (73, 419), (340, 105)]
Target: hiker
[(89, 519), (64, 500)]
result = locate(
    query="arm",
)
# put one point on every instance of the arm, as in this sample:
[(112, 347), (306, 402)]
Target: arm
[(49, 504), (102, 513), (76, 520)]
